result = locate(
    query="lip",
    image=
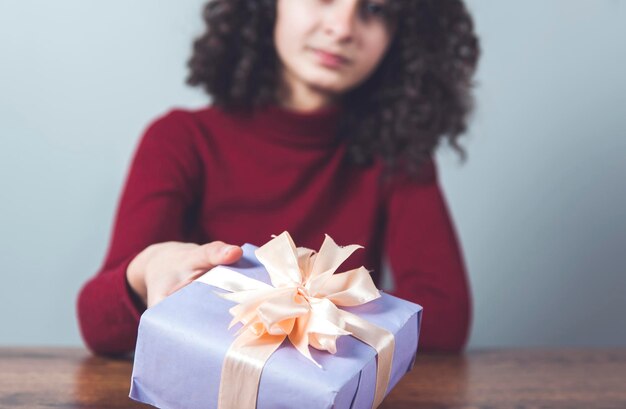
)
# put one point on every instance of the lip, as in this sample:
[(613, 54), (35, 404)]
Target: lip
[(330, 60)]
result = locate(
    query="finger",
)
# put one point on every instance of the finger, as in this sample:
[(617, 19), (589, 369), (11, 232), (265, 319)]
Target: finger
[(232, 254), (209, 255), (186, 281)]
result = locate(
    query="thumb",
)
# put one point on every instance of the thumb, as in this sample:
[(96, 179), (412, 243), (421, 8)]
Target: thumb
[(155, 296)]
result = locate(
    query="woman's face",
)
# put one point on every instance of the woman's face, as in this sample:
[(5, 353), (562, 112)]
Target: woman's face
[(327, 47)]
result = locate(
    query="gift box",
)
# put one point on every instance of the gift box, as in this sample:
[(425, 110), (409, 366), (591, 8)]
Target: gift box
[(183, 341)]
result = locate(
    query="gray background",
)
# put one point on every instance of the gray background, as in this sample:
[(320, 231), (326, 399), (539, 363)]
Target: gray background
[(540, 207)]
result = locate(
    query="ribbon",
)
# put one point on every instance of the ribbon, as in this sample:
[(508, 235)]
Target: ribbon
[(301, 304)]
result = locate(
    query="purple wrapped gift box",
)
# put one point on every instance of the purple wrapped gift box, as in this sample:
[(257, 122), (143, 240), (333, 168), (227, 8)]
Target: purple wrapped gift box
[(183, 339)]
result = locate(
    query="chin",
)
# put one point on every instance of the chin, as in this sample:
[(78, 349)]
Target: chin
[(331, 86), (328, 88)]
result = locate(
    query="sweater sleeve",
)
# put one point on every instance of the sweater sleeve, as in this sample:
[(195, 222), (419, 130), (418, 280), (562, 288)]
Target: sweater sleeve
[(426, 261), (160, 189)]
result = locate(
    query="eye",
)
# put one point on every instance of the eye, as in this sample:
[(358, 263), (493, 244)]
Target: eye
[(373, 9)]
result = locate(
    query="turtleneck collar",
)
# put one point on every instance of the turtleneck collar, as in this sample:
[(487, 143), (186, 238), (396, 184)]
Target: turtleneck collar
[(316, 128)]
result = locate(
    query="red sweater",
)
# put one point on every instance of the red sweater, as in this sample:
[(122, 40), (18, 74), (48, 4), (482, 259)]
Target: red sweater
[(199, 176)]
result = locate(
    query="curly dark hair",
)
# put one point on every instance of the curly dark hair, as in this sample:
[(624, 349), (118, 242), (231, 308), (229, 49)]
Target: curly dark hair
[(418, 95)]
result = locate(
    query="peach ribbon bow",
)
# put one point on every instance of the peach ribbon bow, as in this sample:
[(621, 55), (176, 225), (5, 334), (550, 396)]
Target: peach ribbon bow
[(301, 304)]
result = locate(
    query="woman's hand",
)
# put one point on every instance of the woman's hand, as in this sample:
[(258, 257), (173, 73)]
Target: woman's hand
[(161, 269)]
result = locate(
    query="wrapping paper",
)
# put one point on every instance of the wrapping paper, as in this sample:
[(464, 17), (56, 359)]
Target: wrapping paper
[(182, 342)]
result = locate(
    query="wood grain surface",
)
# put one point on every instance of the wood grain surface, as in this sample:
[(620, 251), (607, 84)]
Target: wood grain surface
[(37, 378)]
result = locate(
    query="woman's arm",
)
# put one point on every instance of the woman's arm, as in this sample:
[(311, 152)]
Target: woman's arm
[(160, 191), (426, 261)]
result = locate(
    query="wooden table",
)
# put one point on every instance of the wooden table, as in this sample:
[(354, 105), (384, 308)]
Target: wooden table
[(492, 379)]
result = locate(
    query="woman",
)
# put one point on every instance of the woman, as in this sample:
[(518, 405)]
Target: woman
[(324, 119)]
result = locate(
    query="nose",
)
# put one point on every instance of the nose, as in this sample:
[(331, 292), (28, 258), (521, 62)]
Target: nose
[(340, 20)]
